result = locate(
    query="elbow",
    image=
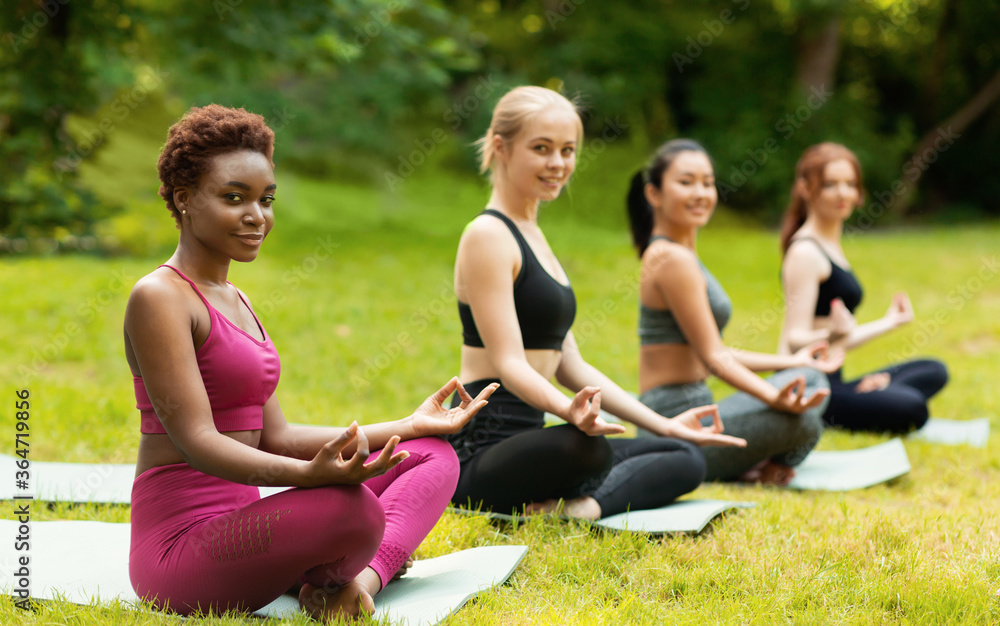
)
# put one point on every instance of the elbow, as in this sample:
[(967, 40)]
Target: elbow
[(717, 362), (196, 450)]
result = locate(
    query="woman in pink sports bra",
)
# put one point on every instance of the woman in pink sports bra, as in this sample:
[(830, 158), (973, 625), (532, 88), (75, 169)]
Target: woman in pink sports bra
[(205, 372)]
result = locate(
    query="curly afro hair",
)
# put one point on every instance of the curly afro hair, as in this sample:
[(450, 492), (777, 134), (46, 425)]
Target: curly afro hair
[(201, 134)]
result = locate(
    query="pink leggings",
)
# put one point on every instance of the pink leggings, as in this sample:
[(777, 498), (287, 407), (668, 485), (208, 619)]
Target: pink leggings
[(204, 543)]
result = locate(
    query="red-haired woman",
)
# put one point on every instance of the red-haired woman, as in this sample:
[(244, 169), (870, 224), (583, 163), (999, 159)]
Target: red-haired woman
[(822, 292), (205, 372)]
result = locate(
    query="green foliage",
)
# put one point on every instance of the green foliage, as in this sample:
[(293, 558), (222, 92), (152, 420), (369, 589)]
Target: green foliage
[(56, 59), (370, 90)]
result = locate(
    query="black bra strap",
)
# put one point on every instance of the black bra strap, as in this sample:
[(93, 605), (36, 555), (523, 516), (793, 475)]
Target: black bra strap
[(521, 242), (821, 248)]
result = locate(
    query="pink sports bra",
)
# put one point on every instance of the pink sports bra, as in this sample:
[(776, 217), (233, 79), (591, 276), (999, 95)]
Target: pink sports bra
[(240, 375)]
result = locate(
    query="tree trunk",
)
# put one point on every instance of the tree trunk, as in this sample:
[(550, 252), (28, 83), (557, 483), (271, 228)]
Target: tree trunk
[(954, 125), (818, 53)]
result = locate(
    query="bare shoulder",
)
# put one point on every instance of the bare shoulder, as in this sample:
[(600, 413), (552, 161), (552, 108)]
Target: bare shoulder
[(669, 258), (156, 295), (804, 260), (488, 237)]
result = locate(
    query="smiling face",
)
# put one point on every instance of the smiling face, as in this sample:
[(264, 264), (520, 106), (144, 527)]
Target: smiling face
[(229, 213), (539, 160), (687, 196), (838, 195)]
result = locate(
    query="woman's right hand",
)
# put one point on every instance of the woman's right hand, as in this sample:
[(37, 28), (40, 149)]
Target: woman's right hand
[(791, 398), (900, 311), (585, 413), (329, 467)]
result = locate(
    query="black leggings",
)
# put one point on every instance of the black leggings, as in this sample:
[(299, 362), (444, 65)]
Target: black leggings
[(539, 464), (899, 408)]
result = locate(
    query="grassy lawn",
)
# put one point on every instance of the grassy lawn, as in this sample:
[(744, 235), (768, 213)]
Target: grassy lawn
[(354, 288)]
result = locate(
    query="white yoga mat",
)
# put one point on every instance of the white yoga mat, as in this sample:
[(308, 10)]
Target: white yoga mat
[(955, 432), (685, 516), (845, 470), (70, 482), (84, 562), (106, 483)]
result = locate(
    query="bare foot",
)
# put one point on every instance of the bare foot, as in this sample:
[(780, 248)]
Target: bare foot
[(405, 568), (776, 474), (545, 506), (350, 600), (768, 473), (582, 508)]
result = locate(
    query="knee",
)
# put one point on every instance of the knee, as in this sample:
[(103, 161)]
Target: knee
[(913, 408), (591, 454), (356, 508), (938, 373), (697, 468), (438, 457), (811, 424), (815, 379)]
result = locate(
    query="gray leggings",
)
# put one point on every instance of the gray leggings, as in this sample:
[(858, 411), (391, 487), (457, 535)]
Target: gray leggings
[(781, 437)]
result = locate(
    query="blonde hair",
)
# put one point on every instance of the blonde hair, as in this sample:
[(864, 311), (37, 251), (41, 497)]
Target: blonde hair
[(513, 111)]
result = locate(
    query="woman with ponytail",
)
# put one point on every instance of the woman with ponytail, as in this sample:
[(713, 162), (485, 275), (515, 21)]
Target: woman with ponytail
[(683, 310), (517, 305), (821, 294)]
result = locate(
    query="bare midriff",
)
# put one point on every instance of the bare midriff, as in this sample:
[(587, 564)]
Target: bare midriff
[(476, 364), (157, 449), (669, 364)]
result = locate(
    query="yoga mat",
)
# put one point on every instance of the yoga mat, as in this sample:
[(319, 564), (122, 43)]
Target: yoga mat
[(70, 482), (685, 516), (955, 432), (107, 483), (84, 562), (846, 470)]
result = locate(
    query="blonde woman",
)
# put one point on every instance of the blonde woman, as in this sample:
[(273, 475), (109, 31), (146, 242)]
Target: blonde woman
[(517, 307)]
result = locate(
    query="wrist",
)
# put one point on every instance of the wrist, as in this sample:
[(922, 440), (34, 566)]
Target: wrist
[(772, 397), (566, 412), (837, 335), (408, 428)]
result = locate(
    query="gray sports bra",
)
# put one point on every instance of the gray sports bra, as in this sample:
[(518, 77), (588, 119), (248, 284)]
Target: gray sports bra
[(660, 326)]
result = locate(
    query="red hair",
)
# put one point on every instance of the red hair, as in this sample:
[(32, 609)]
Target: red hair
[(202, 134), (809, 182)]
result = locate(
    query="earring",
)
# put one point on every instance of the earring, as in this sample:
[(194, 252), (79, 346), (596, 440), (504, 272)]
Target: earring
[(184, 212)]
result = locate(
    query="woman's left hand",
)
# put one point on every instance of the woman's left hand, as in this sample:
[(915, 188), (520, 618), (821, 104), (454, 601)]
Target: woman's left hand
[(688, 427), (820, 356), (431, 418)]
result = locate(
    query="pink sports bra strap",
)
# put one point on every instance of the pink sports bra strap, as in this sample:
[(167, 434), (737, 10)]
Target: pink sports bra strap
[(193, 286)]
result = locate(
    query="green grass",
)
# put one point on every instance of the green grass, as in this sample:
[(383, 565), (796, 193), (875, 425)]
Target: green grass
[(370, 329)]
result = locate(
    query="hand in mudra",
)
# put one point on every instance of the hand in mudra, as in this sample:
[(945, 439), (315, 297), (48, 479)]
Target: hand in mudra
[(792, 399), (432, 418), (329, 467), (820, 356), (694, 431), (585, 413)]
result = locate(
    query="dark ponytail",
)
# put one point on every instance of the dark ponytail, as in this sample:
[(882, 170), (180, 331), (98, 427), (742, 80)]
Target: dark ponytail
[(640, 213)]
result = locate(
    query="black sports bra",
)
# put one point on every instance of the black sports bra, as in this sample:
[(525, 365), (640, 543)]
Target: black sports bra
[(545, 307), (840, 284)]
